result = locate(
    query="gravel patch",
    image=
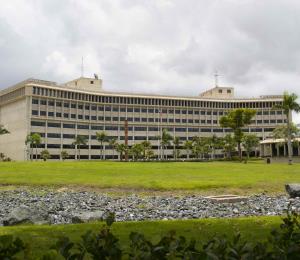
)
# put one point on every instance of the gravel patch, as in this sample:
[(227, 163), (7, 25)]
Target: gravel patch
[(18, 206)]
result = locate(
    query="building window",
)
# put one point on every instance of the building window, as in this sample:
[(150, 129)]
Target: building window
[(82, 126), (96, 127), (37, 123), (58, 114), (43, 113), (35, 101), (69, 136), (69, 126), (53, 135), (50, 124), (53, 146), (50, 113), (34, 112)]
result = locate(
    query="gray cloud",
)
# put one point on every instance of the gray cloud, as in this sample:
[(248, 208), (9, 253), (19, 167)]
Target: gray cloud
[(157, 46)]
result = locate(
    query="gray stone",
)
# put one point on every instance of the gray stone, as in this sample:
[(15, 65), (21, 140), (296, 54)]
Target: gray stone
[(293, 190), (83, 217), (25, 214)]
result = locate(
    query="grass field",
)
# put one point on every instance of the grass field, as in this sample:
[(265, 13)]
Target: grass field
[(210, 177), (252, 229)]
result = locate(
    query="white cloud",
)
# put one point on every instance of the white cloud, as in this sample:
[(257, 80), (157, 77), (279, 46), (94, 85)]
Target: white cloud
[(157, 46)]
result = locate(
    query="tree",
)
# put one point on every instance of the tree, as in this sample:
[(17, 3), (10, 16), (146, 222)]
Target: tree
[(146, 146), (281, 132), (176, 143), (122, 149), (3, 130), (228, 144), (136, 151), (165, 141), (236, 120), (64, 155), (112, 142), (34, 140), (289, 105), (45, 155), (250, 142), (188, 146), (78, 141), (214, 143), (101, 138)]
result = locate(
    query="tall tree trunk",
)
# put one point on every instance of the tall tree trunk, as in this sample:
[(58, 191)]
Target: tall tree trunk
[(36, 153), (79, 153), (240, 151), (290, 151), (100, 151)]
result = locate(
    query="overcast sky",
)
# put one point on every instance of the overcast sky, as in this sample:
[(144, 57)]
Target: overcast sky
[(154, 46)]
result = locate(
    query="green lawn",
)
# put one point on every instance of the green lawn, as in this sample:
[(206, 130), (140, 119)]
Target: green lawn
[(252, 229), (216, 177)]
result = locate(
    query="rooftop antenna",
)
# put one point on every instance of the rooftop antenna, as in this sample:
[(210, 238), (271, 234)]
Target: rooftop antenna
[(216, 78), (82, 67)]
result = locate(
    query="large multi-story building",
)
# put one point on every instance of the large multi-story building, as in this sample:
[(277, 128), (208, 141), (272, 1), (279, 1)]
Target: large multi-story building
[(81, 107)]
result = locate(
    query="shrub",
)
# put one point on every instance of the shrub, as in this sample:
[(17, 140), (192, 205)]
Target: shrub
[(283, 243)]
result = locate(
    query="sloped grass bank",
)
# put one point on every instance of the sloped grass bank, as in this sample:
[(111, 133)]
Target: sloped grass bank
[(254, 177), (252, 229)]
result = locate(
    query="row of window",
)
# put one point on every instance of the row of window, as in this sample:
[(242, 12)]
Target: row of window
[(145, 120), (142, 110), (154, 101), (134, 128)]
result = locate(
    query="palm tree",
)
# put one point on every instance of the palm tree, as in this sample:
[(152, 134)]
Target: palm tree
[(176, 143), (64, 155), (136, 151), (289, 105), (214, 143), (122, 149), (34, 140), (146, 145), (101, 138), (112, 142), (165, 141), (188, 146), (79, 140), (3, 131), (45, 155), (281, 132)]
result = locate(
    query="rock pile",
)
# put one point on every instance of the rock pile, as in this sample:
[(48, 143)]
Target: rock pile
[(21, 206)]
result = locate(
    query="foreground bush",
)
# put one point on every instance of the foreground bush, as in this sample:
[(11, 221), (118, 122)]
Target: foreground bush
[(283, 243)]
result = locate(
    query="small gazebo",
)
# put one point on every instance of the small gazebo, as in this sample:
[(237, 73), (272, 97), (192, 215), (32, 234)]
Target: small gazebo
[(278, 147)]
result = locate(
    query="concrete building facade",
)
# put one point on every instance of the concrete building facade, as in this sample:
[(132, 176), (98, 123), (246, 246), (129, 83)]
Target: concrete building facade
[(81, 107)]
